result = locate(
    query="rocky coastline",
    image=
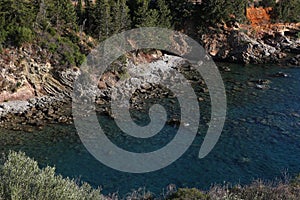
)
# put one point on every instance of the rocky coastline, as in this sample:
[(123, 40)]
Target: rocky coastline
[(55, 106), (34, 91), (243, 44)]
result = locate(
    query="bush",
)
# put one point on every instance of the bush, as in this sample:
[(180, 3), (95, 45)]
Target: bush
[(70, 51), (21, 178), (188, 194), (22, 35), (52, 31), (3, 35), (52, 47)]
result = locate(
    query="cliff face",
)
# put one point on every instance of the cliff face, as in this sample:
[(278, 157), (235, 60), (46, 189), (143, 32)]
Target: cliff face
[(30, 71), (25, 73), (267, 43)]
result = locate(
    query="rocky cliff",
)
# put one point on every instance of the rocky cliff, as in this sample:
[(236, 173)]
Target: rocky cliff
[(263, 44), (42, 88)]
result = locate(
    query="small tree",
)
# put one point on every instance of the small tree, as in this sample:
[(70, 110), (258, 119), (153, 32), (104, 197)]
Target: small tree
[(120, 16), (79, 12), (181, 11), (152, 14), (89, 17), (22, 35), (62, 14), (16, 20), (287, 11), (143, 16), (164, 14), (103, 19)]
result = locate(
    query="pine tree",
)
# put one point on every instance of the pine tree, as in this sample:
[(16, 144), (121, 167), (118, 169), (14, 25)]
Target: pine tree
[(120, 16), (287, 11), (79, 12), (181, 11), (17, 18), (89, 17), (145, 16), (164, 14), (124, 17), (62, 14), (17, 12), (213, 12), (103, 19)]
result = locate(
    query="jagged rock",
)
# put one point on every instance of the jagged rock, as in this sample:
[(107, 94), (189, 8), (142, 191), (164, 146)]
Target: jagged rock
[(294, 61), (234, 45), (280, 74)]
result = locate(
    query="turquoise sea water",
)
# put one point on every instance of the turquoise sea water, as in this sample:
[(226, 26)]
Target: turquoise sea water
[(261, 139)]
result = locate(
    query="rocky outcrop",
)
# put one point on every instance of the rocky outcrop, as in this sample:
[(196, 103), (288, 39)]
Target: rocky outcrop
[(35, 112), (238, 46), (32, 90), (49, 90), (26, 75), (294, 61)]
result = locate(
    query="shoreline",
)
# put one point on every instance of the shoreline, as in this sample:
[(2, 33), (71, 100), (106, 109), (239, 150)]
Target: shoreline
[(41, 92), (37, 112)]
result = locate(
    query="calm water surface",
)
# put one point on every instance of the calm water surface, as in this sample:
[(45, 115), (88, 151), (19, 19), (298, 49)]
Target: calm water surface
[(261, 139)]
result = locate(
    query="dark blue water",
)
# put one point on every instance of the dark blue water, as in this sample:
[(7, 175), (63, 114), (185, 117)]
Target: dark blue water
[(261, 139)]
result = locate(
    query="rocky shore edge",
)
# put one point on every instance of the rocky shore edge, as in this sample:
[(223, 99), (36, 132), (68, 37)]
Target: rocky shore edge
[(244, 44), (36, 112), (33, 92)]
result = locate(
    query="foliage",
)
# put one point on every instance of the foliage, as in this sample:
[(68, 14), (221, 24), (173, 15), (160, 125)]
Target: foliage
[(120, 16), (149, 13), (145, 16), (103, 20), (79, 12), (258, 190), (164, 14), (187, 194), (61, 14), (17, 19), (22, 35), (21, 178), (45, 21), (267, 3), (287, 11), (181, 11), (217, 11)]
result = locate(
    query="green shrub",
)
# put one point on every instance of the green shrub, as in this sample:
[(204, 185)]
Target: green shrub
[(21, 178), (52, 47), (3, 35), (70, 51), (52, 31), (22, 35), (189, 194)]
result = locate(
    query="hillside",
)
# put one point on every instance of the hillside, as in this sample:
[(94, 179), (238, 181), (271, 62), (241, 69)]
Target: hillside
[(44, 42)]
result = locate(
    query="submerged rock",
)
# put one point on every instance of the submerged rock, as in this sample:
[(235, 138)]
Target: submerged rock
[(280, 74)]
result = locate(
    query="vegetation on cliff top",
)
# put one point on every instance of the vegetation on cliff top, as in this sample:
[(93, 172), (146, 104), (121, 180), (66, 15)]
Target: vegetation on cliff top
[(57, 23), (21, 178)]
